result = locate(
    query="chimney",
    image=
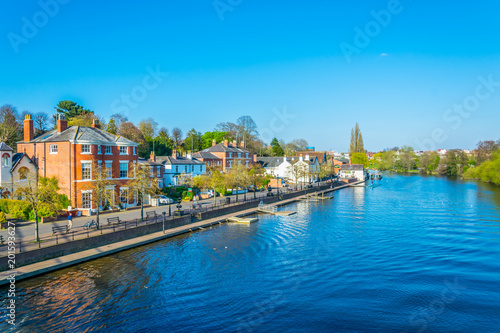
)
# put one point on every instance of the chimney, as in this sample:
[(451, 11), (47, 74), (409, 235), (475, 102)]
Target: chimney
[(284, 158), (255, 158), (28, 128), (307, 157), (62, 123), (152, 156), (214, 142), (242, 144), (96, 124), (234, 144), (225, 143), (300, 158), (189, 156), (174, 153)]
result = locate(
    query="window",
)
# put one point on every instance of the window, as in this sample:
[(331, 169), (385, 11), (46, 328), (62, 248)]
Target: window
[(134, 151), (230, 155), (87, 199), (109, 169), (246, 155), (124, 195), (123, 150), (85, 149), (158, 171), (107, 150), (23, 173), (53, 149), (86, 170), (124, 170), (151, 171), (239, 155), (247, 164), (5, 160), (177, 169), (201, 168), (185, 168), (99, 149), (229, 164)]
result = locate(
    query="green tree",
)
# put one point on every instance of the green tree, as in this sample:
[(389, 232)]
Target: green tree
[(208, 137), (192, 141), (360, 158), (143, 184), (356, 145), (101, 194), (276, 148), (112, 126), (41, 193), (488, 171), (10, 127), (71, 109), (131, 132)]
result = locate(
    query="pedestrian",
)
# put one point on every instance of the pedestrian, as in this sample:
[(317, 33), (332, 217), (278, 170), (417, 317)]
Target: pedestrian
[(70, 221)]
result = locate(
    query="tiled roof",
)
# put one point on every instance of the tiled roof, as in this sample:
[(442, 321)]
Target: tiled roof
[(352, 167), (4, 147), (16, 158), (83, 134), (179, 160), (206, 156), (144, 161), (220, 148)]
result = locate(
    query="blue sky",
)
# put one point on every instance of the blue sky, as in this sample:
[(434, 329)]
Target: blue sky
[(264, 59)]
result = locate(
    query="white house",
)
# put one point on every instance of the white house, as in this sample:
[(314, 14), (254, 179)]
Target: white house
[(356, 171), (179, 169), (289, 168), (14, 169)]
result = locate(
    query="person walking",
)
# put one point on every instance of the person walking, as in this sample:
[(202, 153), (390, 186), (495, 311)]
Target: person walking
[(70, 221)]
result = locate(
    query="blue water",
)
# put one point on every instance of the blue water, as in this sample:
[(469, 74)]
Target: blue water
[(418, 254)]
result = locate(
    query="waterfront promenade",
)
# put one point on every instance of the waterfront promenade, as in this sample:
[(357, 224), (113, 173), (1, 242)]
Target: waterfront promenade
[(78, 257)]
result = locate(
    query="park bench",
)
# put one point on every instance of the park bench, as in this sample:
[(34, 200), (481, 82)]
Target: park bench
[(114, 221), (150, 215), (61, 229)]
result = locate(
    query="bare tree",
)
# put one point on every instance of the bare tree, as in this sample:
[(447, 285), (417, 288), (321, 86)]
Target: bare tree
[(41, 120), (177, 136), (143, 184), (10, 128), (101, 192)]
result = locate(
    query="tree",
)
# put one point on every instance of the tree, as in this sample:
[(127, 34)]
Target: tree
[(10, 128), (119, 119), (360, 158), (276, 148), (41, 122), (41, 193), (163, 144), (193, 141), (327, 169), (484, 150), (429, 162), (148, 127), (177, 136), (407, 158), (208, 137), (294, 146), (237, 177), (112, 126), (100, 188), (143, 184), (256, 176), (488, 171), (131, 132), (357, 145), (71, 109), (85, 119)]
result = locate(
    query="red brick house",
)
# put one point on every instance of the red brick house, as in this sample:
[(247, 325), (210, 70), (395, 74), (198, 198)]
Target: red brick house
[(229, 154), (68, 153)]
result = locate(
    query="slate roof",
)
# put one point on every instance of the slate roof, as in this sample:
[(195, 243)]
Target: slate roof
[(352, 167), (144, 161), (220, 148), (4, 147), (179, 160), (17, 157), (270, 162), (83, 134), (206, 156)]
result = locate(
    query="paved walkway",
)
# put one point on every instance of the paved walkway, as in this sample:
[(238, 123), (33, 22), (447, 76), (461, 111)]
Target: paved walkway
[(75, 258)]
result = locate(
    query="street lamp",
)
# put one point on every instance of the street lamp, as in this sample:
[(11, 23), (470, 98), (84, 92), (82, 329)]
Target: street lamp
[(164, 213)]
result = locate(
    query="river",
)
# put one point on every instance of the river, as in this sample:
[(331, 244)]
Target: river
[(417, 254)]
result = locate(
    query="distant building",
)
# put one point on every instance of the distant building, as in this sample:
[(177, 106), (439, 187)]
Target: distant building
[(180, 169), (15, 169), (356, 171), (230, 154)]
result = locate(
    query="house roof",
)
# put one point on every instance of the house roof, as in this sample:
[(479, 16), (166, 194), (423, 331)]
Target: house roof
[(320, 155), (16, 159), (177, 160), (206, 156), (4, 147), (220, 148), (144, 161), (83, 134), (270, 162), (353, 167)]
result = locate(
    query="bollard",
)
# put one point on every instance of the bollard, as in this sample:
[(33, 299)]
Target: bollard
[(57, 242), (113, 228), (73, 235), (125, 225), (87, 233), (136, 223)]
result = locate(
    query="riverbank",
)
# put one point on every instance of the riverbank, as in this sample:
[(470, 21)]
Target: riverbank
[(46, 266)]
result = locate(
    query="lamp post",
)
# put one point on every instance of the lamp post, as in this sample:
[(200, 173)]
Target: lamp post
[(164, 213)]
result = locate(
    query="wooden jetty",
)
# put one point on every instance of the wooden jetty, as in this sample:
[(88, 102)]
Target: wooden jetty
[(273, 210), (236, 219)]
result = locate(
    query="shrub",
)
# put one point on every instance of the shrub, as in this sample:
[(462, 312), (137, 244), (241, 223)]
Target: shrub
[(4, 205), (3, 218), (20, 209), (63, 201)]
